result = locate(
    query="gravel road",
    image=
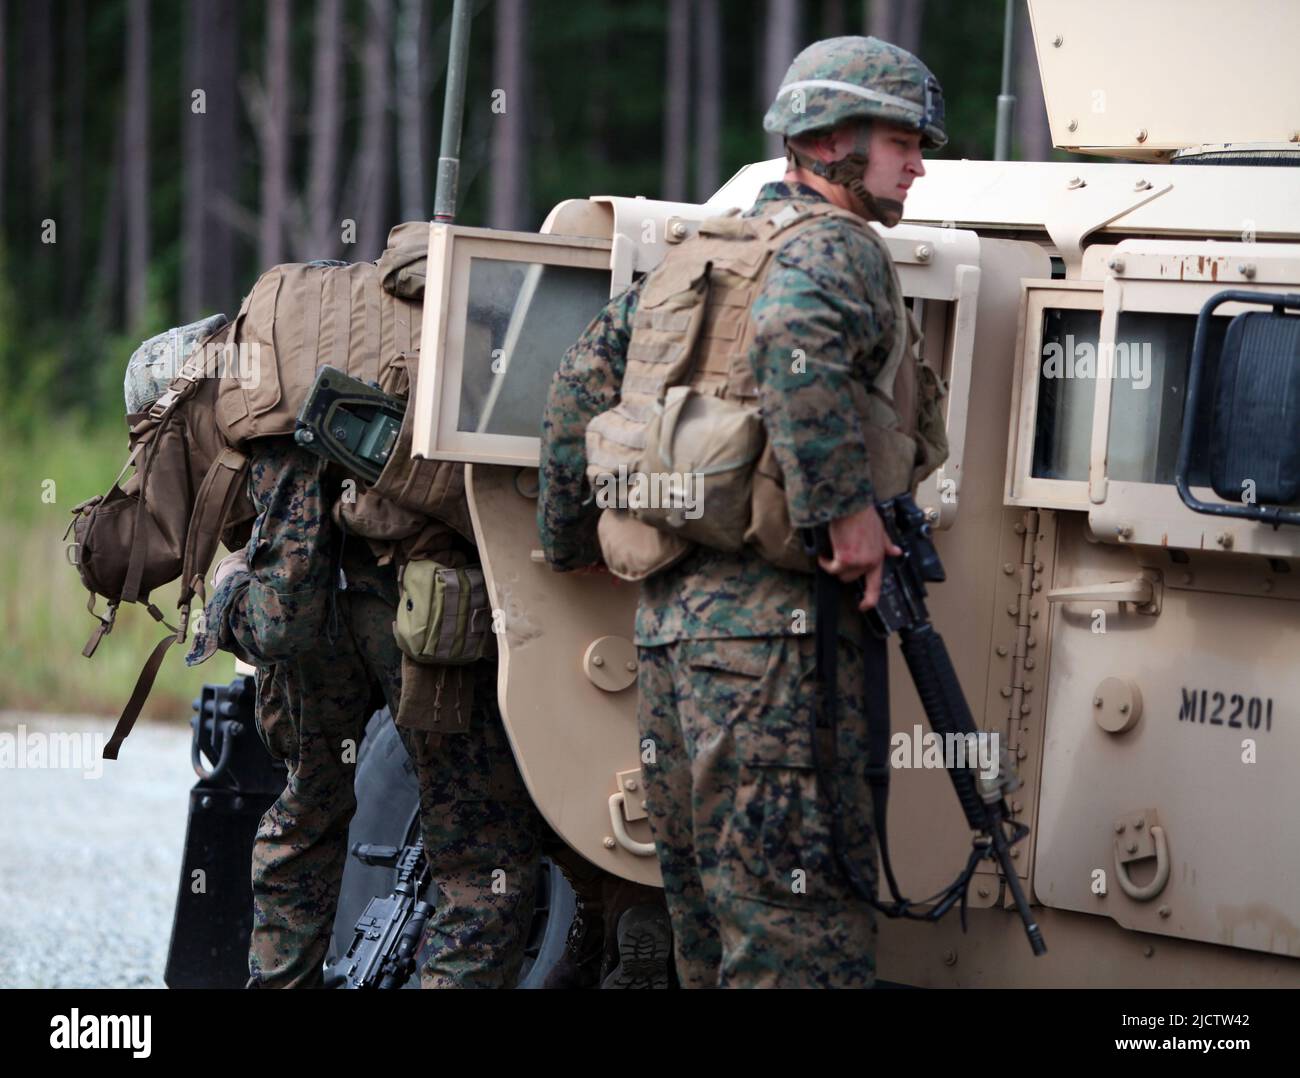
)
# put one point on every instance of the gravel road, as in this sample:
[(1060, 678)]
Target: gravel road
[(88, 865)]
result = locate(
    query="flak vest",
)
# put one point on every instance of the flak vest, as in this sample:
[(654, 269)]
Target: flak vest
[(683, 457)]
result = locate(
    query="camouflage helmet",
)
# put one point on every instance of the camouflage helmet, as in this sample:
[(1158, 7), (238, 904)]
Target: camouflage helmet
[(848, 78), (158, 360)]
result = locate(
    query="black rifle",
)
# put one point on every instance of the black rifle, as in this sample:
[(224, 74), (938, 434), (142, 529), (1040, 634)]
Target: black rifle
[(901, 609), (388, 934)]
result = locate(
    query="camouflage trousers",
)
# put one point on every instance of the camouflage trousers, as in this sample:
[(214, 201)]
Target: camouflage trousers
[(312, 713), (742, 827), (483, 836)]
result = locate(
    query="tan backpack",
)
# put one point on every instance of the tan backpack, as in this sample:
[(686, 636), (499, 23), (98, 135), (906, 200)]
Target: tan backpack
[(247, 381), (687, 406)]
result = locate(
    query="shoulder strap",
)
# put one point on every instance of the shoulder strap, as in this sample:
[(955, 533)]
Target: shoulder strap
[(212, 506)]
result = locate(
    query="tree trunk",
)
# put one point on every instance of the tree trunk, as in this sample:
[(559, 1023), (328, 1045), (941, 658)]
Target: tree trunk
[(780, 44), (910, 19), (708, 114), (412, 28), (373, 166), (898, 22), (4, 114), (326, 133), (107, 263), (72, 233), (275, 135), (1033, 136), (508, 203), (210, 148), (136, 162), (834, 22), (677, 97), (38, 65)]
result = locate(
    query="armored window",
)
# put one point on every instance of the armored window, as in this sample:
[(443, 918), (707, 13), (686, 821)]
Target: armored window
[(1055, 393), (501, 309)]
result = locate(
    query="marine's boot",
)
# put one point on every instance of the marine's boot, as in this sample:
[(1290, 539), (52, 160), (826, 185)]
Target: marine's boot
[(584, 948), (645, 946)]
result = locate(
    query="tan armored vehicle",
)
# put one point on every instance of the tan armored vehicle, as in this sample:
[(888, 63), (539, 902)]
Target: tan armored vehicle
[(1132, 648)]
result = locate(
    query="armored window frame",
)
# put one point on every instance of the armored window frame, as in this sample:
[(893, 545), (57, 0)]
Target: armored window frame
[(446, 304), (1037, 297)]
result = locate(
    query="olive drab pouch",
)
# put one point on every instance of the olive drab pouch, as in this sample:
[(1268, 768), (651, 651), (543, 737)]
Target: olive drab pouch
[(442, 613)]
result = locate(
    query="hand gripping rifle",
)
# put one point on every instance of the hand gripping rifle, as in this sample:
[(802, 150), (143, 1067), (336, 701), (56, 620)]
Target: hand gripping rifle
[(901, 609), (388, 934)]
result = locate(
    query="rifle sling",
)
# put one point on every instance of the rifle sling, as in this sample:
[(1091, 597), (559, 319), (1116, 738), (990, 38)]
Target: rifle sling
[(876, 697)]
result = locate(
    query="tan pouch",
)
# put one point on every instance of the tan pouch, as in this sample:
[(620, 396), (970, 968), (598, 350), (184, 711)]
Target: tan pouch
[(770, 531), (442, 613), (707, 447), (633, 550)]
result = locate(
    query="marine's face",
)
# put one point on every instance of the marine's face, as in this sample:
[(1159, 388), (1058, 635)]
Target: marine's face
[(893, 161)]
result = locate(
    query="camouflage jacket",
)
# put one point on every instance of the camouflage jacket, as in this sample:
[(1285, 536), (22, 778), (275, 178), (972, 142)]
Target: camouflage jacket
[(284, 605), (827, 300)]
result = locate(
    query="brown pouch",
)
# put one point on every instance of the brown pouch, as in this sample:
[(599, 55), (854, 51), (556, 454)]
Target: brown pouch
[(104, 532), (402, 266), (373, 516), (434, 488), (436, 699)]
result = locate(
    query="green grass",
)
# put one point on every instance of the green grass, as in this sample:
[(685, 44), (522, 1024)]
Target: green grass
[(43, 617)]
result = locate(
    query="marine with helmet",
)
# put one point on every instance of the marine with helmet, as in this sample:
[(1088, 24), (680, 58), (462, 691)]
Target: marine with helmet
[(788, 322)]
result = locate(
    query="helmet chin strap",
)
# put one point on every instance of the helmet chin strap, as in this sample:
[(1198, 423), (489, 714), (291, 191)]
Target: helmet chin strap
[(847, 172)]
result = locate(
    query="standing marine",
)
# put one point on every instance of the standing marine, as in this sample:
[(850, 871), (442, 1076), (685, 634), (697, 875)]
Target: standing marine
[(766, 373)]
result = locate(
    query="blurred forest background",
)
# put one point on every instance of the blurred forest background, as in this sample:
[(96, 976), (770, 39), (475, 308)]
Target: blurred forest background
[(156, 156)]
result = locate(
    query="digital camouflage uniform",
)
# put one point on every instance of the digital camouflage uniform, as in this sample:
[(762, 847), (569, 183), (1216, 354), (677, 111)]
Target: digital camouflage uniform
[(725, 640), (314, 613)]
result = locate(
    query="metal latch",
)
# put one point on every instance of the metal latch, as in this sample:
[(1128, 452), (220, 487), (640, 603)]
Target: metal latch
[(1144, 591)]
